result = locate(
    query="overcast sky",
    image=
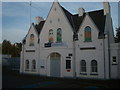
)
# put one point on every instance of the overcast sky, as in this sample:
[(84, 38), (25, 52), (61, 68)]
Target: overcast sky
[(16, 15)]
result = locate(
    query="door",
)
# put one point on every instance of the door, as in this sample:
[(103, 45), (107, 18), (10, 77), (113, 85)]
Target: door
[(55, 65)]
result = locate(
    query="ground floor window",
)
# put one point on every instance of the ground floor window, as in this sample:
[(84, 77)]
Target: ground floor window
[(68, 64), (94, 66), (27, 64), (83, 66), (33, 64), (114, 61)]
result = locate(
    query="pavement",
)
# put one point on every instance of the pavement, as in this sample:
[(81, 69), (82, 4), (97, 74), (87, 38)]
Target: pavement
[(40, 85), (13, 79)]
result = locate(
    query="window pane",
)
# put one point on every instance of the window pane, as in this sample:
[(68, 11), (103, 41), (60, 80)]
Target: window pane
[(68, 64), (88, 34), (59, 35), (27, 64), (32, 40), (50, 36), (83, 66), (94, 66), (33, 64)]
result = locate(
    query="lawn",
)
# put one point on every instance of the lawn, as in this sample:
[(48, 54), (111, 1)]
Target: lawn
[(12, 79)]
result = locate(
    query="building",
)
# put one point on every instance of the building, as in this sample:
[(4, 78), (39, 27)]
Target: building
[(67, 45)]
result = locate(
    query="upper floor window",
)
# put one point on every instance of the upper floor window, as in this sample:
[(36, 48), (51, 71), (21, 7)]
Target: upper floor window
[(88, 36), (59, 35), (94, 66), (32, 40), (83, 66), (50, 36)]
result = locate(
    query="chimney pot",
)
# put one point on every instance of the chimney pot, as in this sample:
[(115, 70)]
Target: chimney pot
[(81, 11), (38, 19)]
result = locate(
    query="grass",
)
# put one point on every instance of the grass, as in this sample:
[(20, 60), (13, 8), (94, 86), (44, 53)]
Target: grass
[(12, 79)]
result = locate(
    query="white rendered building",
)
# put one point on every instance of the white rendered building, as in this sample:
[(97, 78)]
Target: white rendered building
[(67, 45)]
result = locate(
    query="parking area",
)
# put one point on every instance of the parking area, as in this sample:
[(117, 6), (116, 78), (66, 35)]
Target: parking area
[(12, 79)]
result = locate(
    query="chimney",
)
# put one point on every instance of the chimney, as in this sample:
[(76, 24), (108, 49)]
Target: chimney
[(81, 11), (38, 19), (106, 7)]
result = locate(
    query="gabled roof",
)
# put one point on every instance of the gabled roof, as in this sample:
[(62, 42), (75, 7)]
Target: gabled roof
[(76, 20), (97, 17)]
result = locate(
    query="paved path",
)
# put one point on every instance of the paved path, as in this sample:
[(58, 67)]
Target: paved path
[(39, 85)]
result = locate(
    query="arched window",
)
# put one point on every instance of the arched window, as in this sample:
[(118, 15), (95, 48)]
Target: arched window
[(27, 65), (94, 66), (88, 36), (32, 40), (83, 66), (33, 64), (59, 35), (50, 36)]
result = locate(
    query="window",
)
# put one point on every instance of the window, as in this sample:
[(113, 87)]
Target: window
[(94, 66), (50, 36), (68, 64), (83, 66), (32, 40), (59, 35), (88, 37), (33, 65), (27, 64), (114, 61)]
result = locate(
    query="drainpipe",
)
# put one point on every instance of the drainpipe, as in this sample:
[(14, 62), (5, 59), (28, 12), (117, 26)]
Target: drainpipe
[(104, 57), (74, 55), (109, 56), (74, 49)]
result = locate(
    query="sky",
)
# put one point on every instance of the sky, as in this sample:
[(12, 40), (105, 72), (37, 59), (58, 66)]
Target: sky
[(16, 15)]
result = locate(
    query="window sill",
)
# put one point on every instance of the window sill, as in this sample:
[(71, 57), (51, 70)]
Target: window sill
[(33, 70), (88, 41), (83, 73), (94, 74), (27, 70), (114, 64), (58, 44), (31, 45)]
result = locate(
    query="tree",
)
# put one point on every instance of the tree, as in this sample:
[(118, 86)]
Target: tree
[(12, 49), (117, 38), (6, 47)]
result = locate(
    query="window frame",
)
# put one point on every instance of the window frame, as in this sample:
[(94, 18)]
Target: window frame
[(32, 39), (86, 32), (33, 65), (68, 64), (114, 58), (94, 67), (83, 67), (51, 36), (60, 37), (27, 65)]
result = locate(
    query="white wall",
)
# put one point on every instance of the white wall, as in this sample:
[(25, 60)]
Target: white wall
[(30, 55), (89, 55), (67, 39), (114, 67)]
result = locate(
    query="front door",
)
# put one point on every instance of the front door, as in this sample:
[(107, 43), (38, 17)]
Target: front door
[(55, 65)]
